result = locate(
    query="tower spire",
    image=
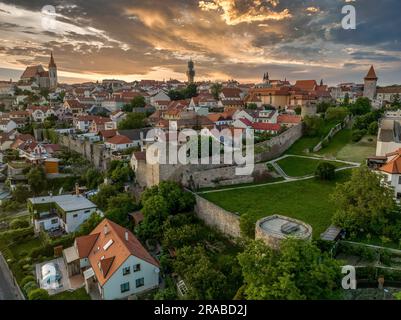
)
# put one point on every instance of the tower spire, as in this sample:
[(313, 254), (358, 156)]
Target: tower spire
[(51, 63)]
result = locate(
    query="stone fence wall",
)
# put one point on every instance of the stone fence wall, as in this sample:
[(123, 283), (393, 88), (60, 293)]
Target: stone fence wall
[(95, 153), (275, 147), (215, 216)]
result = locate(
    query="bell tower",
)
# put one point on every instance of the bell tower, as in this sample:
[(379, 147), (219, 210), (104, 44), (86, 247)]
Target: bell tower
[(370, 88), (191, 71)]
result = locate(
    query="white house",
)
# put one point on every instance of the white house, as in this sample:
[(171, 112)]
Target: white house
[(392, 172), (65, 211), (159, 96), (7, 125), (119, 143), (115, 265)]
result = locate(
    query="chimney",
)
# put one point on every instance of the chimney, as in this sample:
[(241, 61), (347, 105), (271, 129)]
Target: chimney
[(106, 229), (77, 189), (126, 235)]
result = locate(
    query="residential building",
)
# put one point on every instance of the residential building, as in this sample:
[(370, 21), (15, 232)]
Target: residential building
[(66, 212), (114, 263)]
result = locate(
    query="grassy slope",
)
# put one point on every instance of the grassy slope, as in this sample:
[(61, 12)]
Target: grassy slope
[(300, 167), (306, 200)]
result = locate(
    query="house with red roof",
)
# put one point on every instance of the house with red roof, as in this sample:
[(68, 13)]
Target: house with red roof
[(392, 171), (113, 262), (119, 143)]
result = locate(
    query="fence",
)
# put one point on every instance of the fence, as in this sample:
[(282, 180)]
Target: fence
[(332, 133)]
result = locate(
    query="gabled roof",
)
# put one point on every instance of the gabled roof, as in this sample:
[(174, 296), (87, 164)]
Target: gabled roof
[(288, 118), (85, 244), (113, 245), (266, 126), (394, 165), (119, 139)]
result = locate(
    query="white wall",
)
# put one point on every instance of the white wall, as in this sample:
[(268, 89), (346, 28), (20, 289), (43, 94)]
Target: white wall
[(112, 288), (72, 224)]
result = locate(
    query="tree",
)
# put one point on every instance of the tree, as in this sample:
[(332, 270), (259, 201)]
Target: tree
[(363, 204), (118, 208), (93, 178), (336, 113), (155, 211), (21, 193), (373, 128), (361, 106), (216, 90), (37, 180), (133, 120), (313, 126), (323, 106), (202, 278), (90, 224), (191, 91), (396, 100), (38, 294), (102, 197), (178, 237), (297, 271), (137, 102), (247, 226), (325, 171), (177, 200), (120, 172)]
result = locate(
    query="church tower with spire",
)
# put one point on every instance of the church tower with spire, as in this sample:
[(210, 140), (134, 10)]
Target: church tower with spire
[(370, 88), (52, 73), (191, 71)]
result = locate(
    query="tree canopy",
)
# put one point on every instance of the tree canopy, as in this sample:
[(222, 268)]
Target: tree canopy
[(297, 271), (133, 120), (363, 203)]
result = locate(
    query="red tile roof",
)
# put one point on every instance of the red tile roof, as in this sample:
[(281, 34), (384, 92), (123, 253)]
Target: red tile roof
[(107, 260), (394, 165), (288, 118), (119, 139), (260, 126)]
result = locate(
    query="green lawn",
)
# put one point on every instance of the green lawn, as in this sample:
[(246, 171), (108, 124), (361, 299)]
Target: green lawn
[(304, 143), (25, 247), (308, 143), (358, 152), (79, 294), (342, 147), (339, 141), (300, 167), (306, 200)]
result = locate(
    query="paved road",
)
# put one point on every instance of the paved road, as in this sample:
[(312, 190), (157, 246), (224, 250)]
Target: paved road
[(7, 289)]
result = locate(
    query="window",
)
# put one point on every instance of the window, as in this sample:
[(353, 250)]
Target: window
[(137, 267), (75, 215), (53, 221), (140, 282), (399, 180), (126, 270), (124, 287), (87, 211)]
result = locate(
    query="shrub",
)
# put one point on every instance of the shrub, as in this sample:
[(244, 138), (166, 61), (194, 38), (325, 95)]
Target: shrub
[(357, 135), (38, 294), (19, 224), (373, 128), (29, 286), (27, 279), (247, 226), (325, 171)]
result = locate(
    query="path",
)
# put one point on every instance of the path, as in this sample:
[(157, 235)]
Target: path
[(287, 179), (8, 290)]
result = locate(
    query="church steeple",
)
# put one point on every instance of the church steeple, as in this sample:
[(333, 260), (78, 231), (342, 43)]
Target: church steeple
[(51, 63), (52, 73)]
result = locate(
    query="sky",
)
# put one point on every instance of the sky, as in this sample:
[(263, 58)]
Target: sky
[(227, 39)]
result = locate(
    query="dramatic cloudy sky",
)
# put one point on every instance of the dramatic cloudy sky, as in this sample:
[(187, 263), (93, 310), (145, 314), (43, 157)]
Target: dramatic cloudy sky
[(241, 39)]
